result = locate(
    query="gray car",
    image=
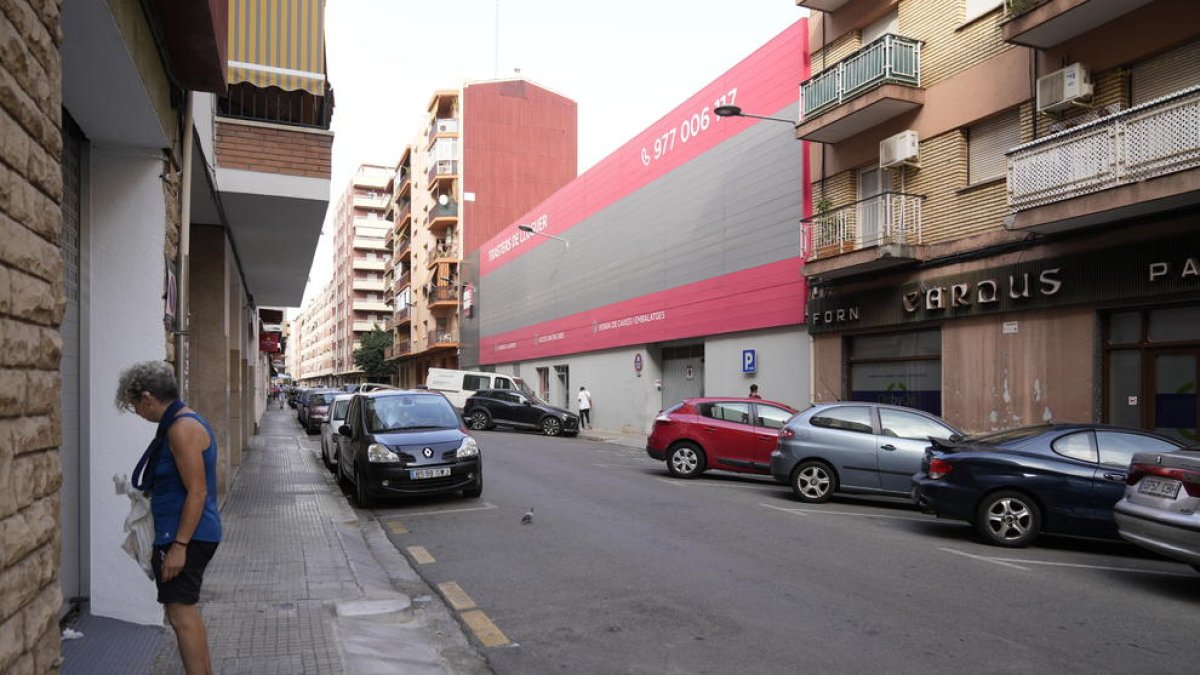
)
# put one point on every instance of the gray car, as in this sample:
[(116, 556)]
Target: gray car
[(853, 446), (1159, 509)]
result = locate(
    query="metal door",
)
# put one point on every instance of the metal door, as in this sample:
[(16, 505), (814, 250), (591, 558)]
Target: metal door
[(683, 377)]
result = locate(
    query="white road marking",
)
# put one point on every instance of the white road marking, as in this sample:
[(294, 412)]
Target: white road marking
[(1051, 563), (483, 507), (994, 561), (859, 514)]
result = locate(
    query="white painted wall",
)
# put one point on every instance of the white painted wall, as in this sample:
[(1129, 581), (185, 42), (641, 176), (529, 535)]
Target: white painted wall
[(125, 309), (623, 401), (783, 365), (203, 117)]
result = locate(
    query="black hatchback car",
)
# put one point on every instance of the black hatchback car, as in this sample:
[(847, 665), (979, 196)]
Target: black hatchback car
[(402, 442), (487, 408), (1012, 485)]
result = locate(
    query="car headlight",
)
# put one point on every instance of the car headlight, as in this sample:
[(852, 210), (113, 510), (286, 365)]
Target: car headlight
[(377, 452), (469, 448)]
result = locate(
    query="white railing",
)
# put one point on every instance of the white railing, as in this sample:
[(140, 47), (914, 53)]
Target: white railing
[(889, 218), (1150, 140)]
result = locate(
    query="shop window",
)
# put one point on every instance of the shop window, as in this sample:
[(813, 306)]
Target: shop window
[(1175, 324), (1152, 370), (898, 369)]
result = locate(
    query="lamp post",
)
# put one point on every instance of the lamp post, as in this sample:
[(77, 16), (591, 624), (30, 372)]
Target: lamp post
[(734, 111), (530, 230)]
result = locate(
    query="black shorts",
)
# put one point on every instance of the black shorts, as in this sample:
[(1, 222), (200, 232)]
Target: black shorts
[(185, 587)]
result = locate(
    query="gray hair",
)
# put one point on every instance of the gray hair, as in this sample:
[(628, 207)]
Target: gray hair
[(156, 377)]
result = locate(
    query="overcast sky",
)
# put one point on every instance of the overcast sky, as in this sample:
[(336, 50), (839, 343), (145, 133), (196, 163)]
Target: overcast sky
[(625, 62)]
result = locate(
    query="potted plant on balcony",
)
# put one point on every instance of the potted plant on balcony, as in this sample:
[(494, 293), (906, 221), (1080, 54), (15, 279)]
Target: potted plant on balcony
[(824, 222)]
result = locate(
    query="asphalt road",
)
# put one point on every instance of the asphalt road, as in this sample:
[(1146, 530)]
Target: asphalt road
[(626, 570)]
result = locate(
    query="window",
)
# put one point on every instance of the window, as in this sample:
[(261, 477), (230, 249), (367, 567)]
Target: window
[(771, 417), (986, 144), (727, 412), (1116, 448), (475, 382), (846, 418), (898, 369), (1165, 74), (1076, 446), (503, 383), (900, 424)]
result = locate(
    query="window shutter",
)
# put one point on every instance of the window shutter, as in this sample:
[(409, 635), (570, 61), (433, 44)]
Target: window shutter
[(987, 142), (1166, 73)]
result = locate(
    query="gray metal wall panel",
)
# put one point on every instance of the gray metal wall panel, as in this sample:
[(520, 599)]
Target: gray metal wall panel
[(733, 208)]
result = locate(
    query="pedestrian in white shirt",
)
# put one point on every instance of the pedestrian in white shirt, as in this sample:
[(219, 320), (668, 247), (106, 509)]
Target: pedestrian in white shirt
[(585, 408)]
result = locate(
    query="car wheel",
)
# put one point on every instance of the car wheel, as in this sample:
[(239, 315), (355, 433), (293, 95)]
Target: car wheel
[(685, 460), (551, 426), (814, 482), (480, 420), (1008, 518), (361, 497)]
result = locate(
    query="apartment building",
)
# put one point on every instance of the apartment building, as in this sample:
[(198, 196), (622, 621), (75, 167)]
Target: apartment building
[(314, 339), (1005, 226), (486, 153), (360, 256)]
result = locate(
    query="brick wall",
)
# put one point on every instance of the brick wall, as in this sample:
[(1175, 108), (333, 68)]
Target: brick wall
[(273, 148), (32, 302), (950, 47)]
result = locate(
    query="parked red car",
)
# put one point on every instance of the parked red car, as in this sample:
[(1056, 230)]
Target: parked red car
[(729, 434)]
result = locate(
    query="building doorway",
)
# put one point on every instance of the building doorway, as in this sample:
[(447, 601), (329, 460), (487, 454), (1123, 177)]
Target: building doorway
[(1152, 370), (563, 373), (683, 373)]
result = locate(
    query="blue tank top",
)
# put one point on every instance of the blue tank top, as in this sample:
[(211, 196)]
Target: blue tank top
[(166, 502)]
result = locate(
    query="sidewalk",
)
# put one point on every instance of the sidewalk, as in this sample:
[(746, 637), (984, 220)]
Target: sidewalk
[(299, 585), (629, 440)]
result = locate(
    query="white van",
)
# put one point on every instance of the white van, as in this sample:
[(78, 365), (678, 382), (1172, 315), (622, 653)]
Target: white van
[(458, 385)]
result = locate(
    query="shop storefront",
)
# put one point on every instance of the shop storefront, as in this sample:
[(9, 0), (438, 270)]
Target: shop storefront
[(1103, 329)]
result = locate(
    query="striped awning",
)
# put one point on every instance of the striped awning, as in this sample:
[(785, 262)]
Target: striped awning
[(278, 43)]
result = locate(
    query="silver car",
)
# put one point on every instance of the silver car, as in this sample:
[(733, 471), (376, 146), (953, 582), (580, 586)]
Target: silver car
[(1159, 509), (853, 446), (330, 438)]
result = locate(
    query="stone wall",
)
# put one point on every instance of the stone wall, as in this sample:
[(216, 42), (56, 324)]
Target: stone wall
[(32, 303)]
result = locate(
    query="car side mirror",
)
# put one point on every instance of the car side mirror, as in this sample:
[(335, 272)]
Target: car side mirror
[(955, 438), (344, 430)]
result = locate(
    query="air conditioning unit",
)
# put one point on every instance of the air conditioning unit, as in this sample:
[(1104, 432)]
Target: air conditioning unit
[(443, 127), (1063, 88), (901, 149)]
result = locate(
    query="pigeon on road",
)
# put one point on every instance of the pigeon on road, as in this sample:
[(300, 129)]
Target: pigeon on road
[(528, 517)]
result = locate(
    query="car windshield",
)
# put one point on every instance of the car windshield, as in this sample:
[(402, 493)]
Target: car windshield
[(410, 411)]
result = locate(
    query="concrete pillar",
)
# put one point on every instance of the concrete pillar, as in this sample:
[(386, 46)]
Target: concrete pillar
[(233, 371), (209, 355)]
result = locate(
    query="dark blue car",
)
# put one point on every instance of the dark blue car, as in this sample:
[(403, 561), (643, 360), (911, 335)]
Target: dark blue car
[(1013, 485)]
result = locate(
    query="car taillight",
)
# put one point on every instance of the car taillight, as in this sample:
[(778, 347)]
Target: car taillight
[(939, 468), (1190, 479), (787, 433)]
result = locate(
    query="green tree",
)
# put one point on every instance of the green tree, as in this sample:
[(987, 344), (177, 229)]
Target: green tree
[(369, 357)]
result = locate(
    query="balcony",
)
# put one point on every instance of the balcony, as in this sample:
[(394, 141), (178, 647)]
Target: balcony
[(441, 128), (403, 183), (370, 244), (402, 281), (370, 265), (822, 5), (441, 338), (399, 349), (441, 173), (877, 233), (443, 296), (374, 202), (403, 249), (402, 316), (442, 254), (366, 326), (1043, 24), (1141, 161), (443, 216), (875, 84), (368, 284), (404, 214)]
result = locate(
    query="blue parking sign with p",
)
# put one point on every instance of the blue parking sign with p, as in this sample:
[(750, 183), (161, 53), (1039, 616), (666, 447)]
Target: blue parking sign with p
[(749, 361)]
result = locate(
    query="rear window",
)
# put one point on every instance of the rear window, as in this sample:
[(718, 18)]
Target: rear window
[(412, 411)]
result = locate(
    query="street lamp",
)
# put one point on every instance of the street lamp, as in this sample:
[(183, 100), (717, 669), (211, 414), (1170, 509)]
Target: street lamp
[(734, 111), (530, 230)]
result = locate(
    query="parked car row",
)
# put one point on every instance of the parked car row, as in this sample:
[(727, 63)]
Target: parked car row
[(1011, 485)]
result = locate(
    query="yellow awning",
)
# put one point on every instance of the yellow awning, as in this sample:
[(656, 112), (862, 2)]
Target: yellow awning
[(278, 43)]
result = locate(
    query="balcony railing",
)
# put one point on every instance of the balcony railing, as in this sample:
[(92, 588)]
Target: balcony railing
[(889, 60), (443, 294), (441, 168), (403, 313), (445, 125), (443, 212), (889, 218), (297, 108), (402, 280), (1154, 139), (441, 337)]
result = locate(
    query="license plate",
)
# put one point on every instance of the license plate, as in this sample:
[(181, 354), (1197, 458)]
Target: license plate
[(418, 474), (1159, 487)]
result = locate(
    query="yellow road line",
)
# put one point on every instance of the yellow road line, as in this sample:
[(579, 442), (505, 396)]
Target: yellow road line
[(485, 631), (397, 527), (456, 596), (420, 555)]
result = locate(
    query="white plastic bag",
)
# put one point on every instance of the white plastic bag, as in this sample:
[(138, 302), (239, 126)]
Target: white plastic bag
[(139, 525)]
